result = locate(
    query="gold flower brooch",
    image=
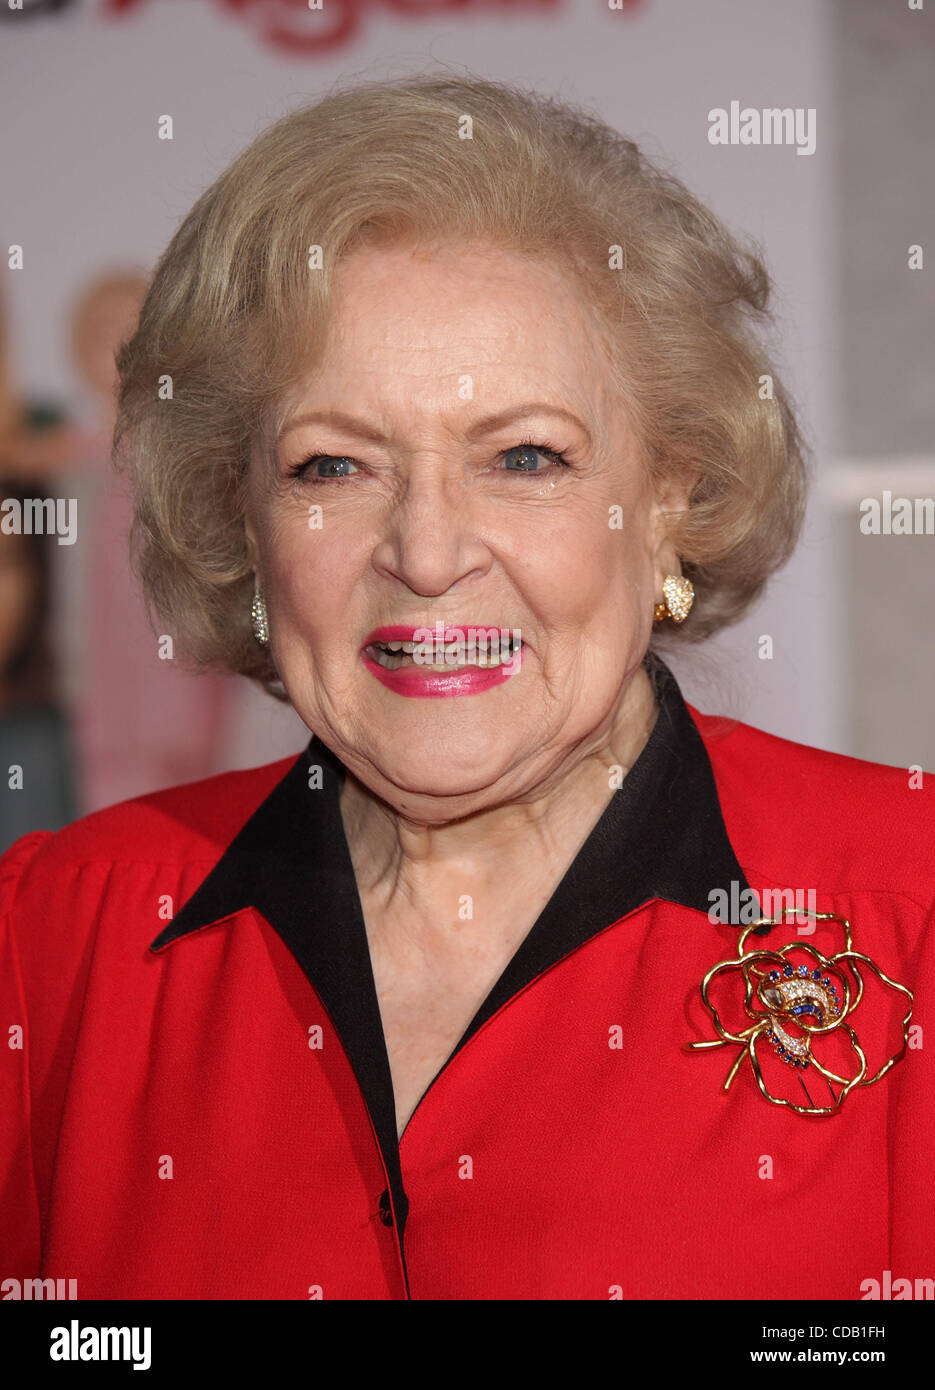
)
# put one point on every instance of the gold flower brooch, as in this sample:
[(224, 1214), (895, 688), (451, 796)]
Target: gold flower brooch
[(795, 996)]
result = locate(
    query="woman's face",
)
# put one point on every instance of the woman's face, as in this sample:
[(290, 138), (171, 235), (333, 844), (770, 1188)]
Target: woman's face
[(446, 380)]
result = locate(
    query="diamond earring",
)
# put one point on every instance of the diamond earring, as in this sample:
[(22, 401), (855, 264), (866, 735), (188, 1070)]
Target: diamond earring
[(258, 616), (678, 597)]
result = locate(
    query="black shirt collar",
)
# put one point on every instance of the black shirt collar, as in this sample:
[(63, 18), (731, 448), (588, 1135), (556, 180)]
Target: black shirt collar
[(662, 835)]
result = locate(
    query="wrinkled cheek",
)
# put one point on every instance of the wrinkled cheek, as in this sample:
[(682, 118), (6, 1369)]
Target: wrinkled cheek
[(297, 637), (621, 591), (304, 578)]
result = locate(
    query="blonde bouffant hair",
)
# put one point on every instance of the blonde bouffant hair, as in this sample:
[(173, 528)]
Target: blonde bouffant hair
[(234, 317)]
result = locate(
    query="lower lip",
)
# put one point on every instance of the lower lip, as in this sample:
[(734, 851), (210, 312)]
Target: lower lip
[(421, 684)]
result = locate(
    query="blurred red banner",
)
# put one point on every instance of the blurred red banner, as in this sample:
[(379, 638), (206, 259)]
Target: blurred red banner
[(299, 26)]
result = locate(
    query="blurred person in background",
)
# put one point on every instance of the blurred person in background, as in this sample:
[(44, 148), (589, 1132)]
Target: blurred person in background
[(142, 721), (36, 758), (36, 765), (37, 441)]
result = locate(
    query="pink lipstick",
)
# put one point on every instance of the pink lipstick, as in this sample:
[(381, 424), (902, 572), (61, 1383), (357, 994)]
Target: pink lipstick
[(445, 660)]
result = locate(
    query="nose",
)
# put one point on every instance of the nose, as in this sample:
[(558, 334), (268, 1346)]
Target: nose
[(431, 541)]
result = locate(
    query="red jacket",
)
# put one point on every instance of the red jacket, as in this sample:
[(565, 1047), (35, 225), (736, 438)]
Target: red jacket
[(196, 1098)]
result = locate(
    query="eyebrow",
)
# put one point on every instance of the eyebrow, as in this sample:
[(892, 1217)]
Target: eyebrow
[(508, 417), (331, 417), (487, 425)]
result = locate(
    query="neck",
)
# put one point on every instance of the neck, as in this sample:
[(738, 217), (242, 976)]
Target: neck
[(507, 851)]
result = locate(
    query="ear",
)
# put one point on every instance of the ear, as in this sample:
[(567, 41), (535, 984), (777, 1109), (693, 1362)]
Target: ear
[(250, 538), (671, 500)]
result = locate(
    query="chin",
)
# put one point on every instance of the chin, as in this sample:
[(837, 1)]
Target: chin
[(442, 772)]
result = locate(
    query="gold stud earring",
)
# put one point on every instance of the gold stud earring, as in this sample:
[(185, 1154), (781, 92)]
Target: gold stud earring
[(678, 597), (258, 616)]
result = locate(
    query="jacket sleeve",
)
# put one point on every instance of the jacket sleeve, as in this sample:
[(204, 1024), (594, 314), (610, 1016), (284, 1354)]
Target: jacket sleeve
[(911, 1132), (19, 1206)]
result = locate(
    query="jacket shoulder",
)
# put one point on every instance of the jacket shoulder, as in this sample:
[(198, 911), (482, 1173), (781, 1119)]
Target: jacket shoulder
[(191, 822), (865, 825)]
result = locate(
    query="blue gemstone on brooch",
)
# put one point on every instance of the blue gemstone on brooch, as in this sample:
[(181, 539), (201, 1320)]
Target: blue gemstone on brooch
[(787, 971), (774, 975), (816, 974), (803, 969)]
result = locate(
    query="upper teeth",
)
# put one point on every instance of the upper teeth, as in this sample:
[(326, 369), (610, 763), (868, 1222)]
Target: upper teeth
[(449, 654), (410, 647)]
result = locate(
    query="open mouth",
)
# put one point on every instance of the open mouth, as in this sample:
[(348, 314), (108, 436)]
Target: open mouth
[(449, 657)]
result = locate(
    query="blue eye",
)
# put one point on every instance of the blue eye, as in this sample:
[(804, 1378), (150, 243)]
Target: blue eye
[(526, 458), (336, 466)]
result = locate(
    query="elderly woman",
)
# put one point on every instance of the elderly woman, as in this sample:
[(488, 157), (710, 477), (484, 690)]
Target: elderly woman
[(443, 407)]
